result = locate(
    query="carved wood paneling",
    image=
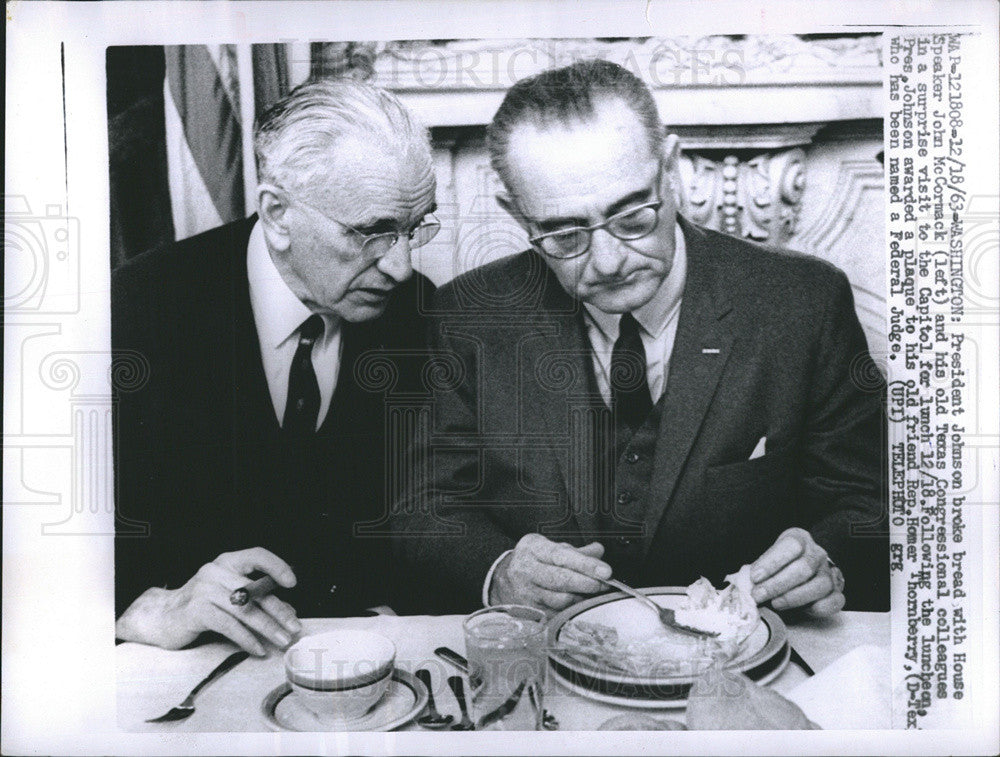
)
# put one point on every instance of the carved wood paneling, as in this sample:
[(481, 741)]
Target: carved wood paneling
[(756, 199)]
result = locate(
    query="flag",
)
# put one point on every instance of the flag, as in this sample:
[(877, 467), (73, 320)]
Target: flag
[(204, 137)]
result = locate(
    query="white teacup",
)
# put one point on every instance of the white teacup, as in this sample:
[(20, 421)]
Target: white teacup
[(340, 674)]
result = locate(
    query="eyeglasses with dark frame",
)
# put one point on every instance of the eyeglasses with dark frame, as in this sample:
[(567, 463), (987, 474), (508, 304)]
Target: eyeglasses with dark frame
[(628, 225), (375, 246)]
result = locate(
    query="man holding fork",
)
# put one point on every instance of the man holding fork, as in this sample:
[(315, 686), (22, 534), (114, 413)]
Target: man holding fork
[(641, 396)]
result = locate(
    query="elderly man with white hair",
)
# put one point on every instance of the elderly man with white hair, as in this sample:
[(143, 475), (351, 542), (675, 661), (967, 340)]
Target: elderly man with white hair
[(256, 447)]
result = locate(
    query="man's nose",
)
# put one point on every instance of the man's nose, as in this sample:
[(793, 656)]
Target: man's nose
[(607, 254), (397, 263)]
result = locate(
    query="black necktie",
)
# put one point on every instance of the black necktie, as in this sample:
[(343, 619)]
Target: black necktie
[(302, 406), (629, 387)]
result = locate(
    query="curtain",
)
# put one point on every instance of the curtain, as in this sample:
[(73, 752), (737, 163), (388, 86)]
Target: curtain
[(137, 158)]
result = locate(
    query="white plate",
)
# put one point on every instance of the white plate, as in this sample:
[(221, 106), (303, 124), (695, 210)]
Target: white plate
[(403, 701), (661, 704), (762, 655)]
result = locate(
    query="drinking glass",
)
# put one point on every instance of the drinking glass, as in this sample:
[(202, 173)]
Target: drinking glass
[(507, 656)]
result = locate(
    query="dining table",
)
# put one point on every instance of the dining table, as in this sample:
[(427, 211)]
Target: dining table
[(849, 652)]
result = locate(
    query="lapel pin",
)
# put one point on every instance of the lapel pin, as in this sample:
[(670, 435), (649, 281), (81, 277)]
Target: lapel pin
[(709, 350)]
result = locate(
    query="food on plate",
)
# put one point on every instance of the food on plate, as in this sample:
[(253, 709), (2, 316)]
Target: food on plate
[(667, 653), (723, 700), (731, 613)]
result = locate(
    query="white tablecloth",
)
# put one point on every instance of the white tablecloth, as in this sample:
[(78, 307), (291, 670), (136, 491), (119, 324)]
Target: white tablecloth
[(152, 680)]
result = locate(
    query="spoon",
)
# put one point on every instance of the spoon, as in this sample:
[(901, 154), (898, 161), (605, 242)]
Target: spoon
[(465, 724), (433, 720)]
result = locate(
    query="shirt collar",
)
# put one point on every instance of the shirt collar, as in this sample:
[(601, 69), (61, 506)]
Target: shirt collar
[(655, 314), (277, 312)]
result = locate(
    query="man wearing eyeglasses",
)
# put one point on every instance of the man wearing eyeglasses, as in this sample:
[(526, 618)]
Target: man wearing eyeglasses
[(644, 399), (257, 444)]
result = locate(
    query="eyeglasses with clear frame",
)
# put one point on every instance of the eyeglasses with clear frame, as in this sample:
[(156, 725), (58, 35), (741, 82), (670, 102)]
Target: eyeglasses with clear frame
[(375, 246), (628, 225)]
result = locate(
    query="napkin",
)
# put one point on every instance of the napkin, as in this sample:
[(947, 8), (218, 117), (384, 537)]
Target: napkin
[(850, 693)]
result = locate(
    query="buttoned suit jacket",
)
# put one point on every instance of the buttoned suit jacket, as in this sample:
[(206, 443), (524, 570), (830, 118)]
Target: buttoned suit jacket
[(768, 345), (201, 464)]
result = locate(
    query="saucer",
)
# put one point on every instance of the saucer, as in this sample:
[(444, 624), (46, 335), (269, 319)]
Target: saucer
[(403, 701)]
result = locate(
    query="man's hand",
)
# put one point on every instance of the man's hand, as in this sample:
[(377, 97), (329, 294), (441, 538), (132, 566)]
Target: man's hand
[(795, 572), (174, 618), (548, 575)]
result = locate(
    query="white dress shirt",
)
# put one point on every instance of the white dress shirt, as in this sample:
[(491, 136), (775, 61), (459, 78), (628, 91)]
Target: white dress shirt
[(279, 314), (657, 328), (657, 321)]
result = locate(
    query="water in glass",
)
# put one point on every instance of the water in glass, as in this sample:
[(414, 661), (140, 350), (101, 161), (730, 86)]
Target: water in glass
[(507, 663)]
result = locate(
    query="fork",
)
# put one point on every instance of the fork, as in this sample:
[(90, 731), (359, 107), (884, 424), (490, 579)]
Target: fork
[(665, 614), (186, 708)]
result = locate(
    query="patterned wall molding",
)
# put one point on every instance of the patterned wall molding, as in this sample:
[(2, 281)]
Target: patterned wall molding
[(756, 198)]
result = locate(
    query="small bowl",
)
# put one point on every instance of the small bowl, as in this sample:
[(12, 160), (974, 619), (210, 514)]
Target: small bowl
[(340, 674)]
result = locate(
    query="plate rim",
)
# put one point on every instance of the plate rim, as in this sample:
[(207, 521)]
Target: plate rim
[(777, 638), (661, 704), (270, 702)]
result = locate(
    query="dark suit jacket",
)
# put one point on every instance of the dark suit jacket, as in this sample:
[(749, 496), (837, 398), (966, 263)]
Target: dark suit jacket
[(201, 464), (768, 344)]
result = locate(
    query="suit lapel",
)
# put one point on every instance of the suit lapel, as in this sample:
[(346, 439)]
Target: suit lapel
[(701, 350), (253, 409), (557, 375), (348, 401)]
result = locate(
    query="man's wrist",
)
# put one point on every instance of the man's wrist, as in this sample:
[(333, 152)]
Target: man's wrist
[(142, 620)]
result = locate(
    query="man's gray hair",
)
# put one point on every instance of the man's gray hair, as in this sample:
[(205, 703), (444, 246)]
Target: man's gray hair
[(292, 139), (563, 96)]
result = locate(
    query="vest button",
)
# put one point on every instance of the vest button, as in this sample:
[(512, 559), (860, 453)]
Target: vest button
[(625, 541), (624, 498), (632, 457)]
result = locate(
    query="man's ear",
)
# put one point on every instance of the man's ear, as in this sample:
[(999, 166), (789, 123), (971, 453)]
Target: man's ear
[(506, 202), (671, 150), (672, 168), (272, 208)]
